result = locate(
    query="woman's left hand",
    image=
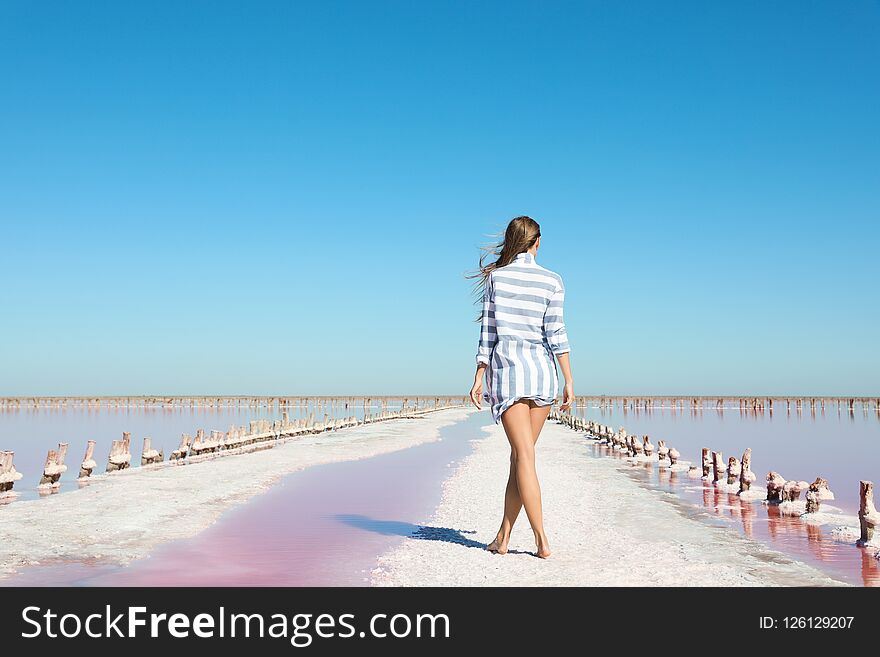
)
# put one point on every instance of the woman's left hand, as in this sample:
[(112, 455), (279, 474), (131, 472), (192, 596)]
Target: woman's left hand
[(477, 392), (567, 396)]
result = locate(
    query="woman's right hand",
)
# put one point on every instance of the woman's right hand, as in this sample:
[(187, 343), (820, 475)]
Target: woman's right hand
[(567, 396), (477, 390)]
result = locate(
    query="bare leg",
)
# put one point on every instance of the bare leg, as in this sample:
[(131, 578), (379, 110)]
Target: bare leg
[(517, 423), (512, 500), (512, 506)]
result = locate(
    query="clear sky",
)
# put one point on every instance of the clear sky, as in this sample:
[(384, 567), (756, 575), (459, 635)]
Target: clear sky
[(282, 198)]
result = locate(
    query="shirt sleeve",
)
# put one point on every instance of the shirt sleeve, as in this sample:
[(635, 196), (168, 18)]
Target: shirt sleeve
[(554, 323), (488, 332)]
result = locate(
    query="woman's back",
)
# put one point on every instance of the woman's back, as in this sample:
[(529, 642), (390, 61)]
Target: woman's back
[(528, 301), (522, 329)]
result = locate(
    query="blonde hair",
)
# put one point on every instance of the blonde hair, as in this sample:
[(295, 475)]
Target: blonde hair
[(520, 235)]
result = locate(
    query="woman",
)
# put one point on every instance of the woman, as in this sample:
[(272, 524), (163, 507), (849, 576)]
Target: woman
[(522, 329)]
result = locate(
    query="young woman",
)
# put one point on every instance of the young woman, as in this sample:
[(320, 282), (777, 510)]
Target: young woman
[(522, 329)]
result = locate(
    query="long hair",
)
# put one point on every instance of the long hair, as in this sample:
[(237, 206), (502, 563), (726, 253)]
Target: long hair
[(520, 235)]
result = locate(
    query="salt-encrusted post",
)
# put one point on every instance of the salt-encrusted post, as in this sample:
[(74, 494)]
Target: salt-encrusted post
[(746, 476), (88, 463), (733, 470), (8, 474), (775, 484), (54, 467), (673, 456), (791, 491), (231, 439), (818, 491), (202, 444), (150, 455), (707, 462), (812, 499), (182, 449), (662, 450), (120, 453), (868, 516), (631, 445), (717, 466), (638, 446), (647, 447)]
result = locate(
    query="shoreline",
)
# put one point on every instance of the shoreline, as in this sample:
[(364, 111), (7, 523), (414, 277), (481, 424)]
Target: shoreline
[(604, 529), (121, 517)]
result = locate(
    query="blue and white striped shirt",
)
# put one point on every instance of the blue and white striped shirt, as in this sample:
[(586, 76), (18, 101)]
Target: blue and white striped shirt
[(522, 329)]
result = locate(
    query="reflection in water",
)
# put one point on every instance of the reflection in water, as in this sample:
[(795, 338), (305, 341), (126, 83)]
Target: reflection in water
[(839, 444), (842, 447), (792, 446), (30, 432), (323, 526)]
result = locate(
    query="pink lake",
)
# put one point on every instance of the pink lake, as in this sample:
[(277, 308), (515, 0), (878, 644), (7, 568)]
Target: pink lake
[(327, 525), (324, 526)]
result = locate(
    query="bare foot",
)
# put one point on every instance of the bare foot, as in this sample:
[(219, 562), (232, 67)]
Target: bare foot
[(543, 550), (498, 546)]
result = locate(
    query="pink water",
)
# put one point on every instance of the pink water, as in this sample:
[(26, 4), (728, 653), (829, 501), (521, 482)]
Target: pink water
[(324, 526), (842, 447), (328, 524), (30, 433)]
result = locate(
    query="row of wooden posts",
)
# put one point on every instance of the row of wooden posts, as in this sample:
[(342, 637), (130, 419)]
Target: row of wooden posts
[(750, 404), (734, 472), (259, 434), (316, 401)]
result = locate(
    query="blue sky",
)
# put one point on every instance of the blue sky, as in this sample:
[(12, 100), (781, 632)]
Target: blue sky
[(282, 198)]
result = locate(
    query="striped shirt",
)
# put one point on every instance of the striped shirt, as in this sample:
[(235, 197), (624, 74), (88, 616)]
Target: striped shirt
[(522, 329)]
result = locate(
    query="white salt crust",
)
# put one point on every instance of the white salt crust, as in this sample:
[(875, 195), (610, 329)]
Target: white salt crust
[(604, 530), (122, 516)]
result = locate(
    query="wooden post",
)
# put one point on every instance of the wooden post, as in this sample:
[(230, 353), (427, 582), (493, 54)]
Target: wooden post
[(868, 516), (120, 453), (792, 490), (707, 462), (775, 483), (717, 466), (673, 456), (647, 447), (817, 492), (8, 474), (746, 476), (637, 445), (88, 463), (813, 501), (662, 450), (54, 467), (182, 449), (733, 470), (150, 455), (198, 444)]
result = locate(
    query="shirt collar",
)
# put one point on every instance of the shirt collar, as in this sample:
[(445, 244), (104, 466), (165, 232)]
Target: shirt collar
[(525, 256)]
